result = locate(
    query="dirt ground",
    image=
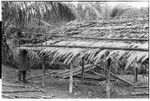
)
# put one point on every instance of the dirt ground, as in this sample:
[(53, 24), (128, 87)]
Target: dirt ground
[(59, 88)]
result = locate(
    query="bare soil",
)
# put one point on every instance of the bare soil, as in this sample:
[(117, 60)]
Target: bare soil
[(59, 88)]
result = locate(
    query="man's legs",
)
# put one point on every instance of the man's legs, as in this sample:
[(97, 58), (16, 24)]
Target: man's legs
[(19, 75), (24, 76)]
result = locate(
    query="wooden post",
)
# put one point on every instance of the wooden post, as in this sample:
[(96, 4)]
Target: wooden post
[(135, 75), (82, 72), (71, 78), (108, 78), (43, 67)]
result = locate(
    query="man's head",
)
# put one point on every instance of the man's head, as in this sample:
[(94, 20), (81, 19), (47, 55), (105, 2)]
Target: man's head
[(23, 52), (19, 34)]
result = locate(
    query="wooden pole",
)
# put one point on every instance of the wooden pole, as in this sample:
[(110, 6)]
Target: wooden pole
[(86, 47), (108, 78), (99, 38), (82, 72), (43, 66), (135, 75), (71, 78)]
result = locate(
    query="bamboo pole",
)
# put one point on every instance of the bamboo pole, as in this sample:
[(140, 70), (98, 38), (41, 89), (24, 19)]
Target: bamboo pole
[(71, 78), (108, 78), (87, 47), (82, 72)]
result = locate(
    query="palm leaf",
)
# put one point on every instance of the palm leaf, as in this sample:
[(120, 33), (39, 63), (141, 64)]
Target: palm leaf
[(99, 55), (131, 58)]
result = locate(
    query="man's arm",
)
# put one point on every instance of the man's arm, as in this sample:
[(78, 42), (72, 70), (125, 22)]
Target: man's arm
[(24, 40)]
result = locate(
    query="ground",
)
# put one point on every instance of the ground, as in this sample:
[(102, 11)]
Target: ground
[(59, 88)]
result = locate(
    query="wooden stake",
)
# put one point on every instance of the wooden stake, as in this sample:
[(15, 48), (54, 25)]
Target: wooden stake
[(71, 78), (43, 66), (108, 78), (82, 72), (135, 75)]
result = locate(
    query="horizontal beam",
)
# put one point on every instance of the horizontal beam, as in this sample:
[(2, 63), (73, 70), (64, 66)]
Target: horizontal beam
[(94, 38), (87, 47), (98, 38)]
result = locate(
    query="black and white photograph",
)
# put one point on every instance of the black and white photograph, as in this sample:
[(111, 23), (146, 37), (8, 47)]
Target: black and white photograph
[(75, 49)]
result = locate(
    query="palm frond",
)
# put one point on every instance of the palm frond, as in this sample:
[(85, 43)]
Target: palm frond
[(114, 11)]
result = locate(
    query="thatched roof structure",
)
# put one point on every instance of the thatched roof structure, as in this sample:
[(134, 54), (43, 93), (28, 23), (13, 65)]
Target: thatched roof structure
[(121, 41), (67, 49)]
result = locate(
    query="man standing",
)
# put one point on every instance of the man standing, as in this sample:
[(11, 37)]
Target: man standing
[(23, 65), (22, 58), (20, 55)]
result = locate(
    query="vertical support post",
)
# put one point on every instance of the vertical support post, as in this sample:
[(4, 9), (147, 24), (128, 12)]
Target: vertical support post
[(135, 75), (43, 67), (108, 78), (71, 78), (82, 72)]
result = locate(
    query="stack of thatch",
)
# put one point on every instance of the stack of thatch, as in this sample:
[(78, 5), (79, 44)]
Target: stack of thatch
[(133, 27), (77, 49)]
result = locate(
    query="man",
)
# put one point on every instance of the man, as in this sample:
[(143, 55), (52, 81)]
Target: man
[(21, 56), (23, 65)]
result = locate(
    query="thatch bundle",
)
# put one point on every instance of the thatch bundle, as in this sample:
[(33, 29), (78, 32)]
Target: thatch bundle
[(133, 27)]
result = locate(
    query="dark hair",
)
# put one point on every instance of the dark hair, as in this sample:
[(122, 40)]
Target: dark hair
[(19, 34), (24, 52)]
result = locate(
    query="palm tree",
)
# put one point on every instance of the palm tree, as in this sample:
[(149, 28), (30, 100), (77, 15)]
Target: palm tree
[(88, 10), (114, 11), (18, 16)]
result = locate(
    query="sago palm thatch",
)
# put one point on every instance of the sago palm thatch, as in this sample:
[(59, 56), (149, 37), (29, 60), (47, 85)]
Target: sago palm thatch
[(96, 55)]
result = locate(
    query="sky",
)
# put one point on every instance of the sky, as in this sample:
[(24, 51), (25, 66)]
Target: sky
[(133, 4)]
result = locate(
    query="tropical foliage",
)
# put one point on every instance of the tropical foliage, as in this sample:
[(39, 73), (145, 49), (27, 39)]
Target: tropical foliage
[(30, 16)]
